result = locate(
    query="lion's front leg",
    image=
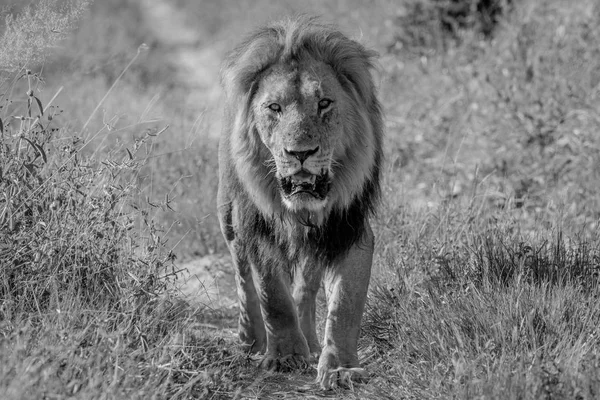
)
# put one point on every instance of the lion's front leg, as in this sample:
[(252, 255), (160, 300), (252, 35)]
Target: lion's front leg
[(251, 327), (346, 286), (286, 346), (306, 282)]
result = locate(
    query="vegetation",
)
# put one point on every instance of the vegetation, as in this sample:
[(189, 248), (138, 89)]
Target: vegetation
[(486, 276)]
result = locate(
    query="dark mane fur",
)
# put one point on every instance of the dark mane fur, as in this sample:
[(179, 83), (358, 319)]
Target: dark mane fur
[(342, 229)]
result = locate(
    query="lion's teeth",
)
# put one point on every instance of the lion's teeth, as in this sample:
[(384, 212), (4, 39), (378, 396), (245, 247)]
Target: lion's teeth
[(304, 178)]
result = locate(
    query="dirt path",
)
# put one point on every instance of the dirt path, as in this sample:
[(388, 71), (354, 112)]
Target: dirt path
[(209, 282), (196, 65)]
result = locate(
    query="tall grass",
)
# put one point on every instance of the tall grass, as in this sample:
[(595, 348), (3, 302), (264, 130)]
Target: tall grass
[(86, 306), (466, 311), (487, 288)]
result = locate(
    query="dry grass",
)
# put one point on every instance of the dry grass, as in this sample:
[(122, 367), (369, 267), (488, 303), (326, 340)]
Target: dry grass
[(488, 255)]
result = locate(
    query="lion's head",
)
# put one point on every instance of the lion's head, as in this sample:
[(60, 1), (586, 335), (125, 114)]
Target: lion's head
[(306, 130)]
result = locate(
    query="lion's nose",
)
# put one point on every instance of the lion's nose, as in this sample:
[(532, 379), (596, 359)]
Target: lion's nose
[(301, 155)]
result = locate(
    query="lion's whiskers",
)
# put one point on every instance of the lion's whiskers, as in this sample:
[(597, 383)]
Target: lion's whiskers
[(271, 166), (335, 164)]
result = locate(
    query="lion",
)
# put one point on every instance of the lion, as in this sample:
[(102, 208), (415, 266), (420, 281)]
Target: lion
[(299, 177)]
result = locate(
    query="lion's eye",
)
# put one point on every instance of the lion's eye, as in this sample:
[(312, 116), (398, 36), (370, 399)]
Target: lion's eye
[(274, 107), (324, 104)]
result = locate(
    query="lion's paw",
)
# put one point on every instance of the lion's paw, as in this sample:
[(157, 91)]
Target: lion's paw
[(331, 375), (287, 363)]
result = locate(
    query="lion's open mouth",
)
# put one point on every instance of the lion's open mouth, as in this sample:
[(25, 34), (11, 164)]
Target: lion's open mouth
[(305, 183)]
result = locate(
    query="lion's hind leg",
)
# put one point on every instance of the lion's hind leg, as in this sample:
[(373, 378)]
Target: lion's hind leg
[(251, 326)]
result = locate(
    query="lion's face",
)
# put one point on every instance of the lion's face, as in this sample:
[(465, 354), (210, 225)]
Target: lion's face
[(298, 110)]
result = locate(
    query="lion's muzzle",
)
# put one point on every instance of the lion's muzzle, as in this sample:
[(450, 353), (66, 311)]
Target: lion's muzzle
[(304, 182)]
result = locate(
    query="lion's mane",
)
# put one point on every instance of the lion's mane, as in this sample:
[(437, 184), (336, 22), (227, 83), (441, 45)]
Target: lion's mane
[(244, 170)]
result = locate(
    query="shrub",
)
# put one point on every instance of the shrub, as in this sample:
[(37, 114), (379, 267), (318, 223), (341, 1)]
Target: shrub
[(67, 223), (86, 300), (434, 24), (84, 273)]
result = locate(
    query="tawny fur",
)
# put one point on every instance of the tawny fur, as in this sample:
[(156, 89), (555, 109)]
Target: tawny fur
[(284, 248)]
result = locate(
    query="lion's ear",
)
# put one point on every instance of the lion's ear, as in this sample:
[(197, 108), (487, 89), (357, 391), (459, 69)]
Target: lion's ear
[(243, 65), (356, 63)]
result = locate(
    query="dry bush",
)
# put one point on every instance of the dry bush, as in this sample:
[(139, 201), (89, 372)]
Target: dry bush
[(29, 35), (87, 305)]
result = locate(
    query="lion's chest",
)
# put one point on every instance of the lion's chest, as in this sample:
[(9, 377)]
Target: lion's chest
[(289, 240), (279, 240)]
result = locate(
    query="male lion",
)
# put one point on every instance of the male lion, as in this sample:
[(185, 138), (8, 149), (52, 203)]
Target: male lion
[(299, 171)]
